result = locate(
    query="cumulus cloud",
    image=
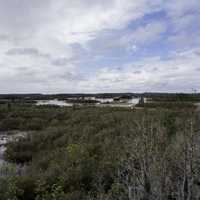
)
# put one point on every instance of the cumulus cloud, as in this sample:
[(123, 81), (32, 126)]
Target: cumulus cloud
[(179, 72), (25, 52), (98, 45), (148, 33)]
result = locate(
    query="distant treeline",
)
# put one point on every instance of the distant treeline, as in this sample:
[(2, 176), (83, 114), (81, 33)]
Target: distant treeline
[(182, 97), (65, 96), (153, 96)]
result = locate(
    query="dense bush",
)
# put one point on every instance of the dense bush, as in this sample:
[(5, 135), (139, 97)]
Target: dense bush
[(104, 153)]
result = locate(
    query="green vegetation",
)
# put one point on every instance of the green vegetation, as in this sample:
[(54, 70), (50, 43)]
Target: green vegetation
[(179, 97), (93, 153), (168, 105)]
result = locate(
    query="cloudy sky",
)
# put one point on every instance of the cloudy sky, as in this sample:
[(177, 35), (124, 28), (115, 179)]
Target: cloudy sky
[(70, 46)]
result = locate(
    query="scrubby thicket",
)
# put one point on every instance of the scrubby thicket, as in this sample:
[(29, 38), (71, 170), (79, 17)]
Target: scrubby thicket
[(103, 153)]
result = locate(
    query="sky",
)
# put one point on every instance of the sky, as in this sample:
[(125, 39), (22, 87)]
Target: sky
[(96, 46)]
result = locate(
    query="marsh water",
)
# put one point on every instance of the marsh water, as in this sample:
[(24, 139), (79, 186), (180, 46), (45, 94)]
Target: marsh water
[(103, 102), (55, 102), (5, 138)]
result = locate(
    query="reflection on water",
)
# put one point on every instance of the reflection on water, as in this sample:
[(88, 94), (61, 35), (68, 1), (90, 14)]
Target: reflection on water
[(134, 101), (53, 102), (102, 102), (5, 138), (6, 168)]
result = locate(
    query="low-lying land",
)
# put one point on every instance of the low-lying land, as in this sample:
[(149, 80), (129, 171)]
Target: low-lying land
[(101, 153)]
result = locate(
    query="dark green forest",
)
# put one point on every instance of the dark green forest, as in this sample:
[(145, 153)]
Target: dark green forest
[(91, 153)]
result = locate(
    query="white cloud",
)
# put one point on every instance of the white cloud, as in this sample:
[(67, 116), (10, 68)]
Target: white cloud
[(183, 18), (35, 34), (180, 8), (178, 72), (43, 44), (66, 20), (148, 33)]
